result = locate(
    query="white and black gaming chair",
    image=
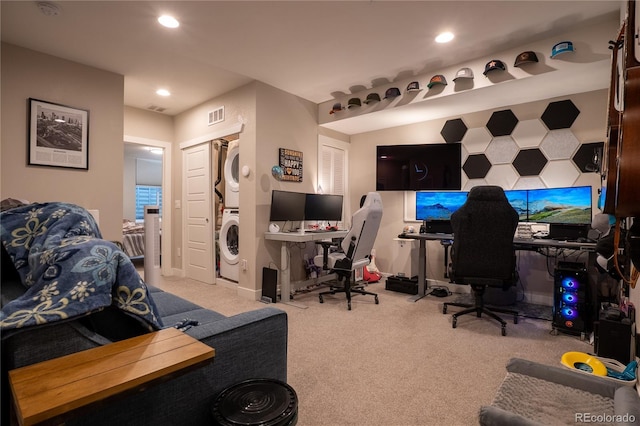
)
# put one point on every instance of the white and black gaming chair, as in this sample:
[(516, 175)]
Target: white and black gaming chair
[(356, 249)]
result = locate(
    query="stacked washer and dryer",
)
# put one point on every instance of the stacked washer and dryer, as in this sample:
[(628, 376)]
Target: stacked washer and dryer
[(229, 231)]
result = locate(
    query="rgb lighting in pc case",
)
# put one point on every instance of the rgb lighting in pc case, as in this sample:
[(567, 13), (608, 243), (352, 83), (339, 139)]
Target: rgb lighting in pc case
[(571, 307)]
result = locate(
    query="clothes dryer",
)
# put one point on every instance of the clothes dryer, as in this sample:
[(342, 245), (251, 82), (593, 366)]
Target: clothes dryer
[(232, 176), (229, 236)]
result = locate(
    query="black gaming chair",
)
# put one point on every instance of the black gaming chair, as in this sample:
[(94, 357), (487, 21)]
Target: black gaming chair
[(482, 254)]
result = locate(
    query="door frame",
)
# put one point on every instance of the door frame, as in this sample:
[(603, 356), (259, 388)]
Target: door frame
[(207, 138), (166, 266)]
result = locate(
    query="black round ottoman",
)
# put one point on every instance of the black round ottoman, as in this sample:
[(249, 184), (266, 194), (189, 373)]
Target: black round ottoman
[(263, 402)]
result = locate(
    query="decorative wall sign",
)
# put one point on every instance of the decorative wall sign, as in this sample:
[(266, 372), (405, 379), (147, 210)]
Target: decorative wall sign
[(58, 135), (291, 165)]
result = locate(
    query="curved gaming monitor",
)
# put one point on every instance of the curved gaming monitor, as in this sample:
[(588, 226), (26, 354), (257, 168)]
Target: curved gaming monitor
[(438, 205), (569, 205)]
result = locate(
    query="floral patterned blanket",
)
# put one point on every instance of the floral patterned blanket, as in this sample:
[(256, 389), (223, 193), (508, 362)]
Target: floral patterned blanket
[(69, 270)]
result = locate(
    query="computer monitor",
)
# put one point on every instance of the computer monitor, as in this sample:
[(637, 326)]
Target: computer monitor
[(438, 205), (569, 205), (518, 200), (323, 207), (287, 205)]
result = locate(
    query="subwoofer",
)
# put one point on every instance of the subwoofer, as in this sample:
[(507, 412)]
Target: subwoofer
[(571, 299)]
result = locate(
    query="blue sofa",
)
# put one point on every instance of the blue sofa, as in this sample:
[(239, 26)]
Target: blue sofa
[(248, 345)]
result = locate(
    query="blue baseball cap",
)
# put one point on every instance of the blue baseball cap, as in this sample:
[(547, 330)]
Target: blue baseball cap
[(562, 47)]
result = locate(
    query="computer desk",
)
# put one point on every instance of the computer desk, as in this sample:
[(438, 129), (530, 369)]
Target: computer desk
[(295, 237), (518, 243)]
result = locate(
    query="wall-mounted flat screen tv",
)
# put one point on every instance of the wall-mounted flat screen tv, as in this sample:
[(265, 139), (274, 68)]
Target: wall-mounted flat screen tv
[(287, 205), (570, 205), (418, 167), (438, 205)]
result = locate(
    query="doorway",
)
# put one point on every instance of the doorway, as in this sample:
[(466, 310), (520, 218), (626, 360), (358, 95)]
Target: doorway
[(147, 173)]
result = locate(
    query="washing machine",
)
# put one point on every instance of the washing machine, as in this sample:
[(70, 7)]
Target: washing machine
[(232, 176), (229, 236)]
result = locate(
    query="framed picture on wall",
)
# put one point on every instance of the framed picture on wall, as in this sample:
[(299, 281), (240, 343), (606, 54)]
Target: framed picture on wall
[(58, 135), (291, 164)]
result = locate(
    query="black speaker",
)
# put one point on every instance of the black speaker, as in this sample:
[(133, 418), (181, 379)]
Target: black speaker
[(613, 338), (438, 227), (567, 231), (571, 298), (270, 284)]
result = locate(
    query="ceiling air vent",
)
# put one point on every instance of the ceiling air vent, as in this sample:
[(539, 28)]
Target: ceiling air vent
[(216, 115), (156, 108)]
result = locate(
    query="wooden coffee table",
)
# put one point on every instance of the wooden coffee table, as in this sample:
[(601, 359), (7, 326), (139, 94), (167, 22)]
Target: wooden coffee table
[(53, 390)]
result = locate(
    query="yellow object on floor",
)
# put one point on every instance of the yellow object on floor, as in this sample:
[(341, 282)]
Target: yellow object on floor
[(583, 361)]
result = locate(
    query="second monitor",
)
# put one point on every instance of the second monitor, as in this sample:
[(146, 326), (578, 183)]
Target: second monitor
[(323, 207)]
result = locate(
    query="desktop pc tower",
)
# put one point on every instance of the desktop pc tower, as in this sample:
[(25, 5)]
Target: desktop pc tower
[(571, 299)]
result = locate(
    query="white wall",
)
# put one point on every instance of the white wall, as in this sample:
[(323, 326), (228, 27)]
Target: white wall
[(25, 74), (390, 257)]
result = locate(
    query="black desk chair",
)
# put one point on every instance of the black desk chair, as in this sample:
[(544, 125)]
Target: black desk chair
[(482, 254), (356, 249)]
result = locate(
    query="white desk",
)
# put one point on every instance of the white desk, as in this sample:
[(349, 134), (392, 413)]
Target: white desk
[(295, 237)]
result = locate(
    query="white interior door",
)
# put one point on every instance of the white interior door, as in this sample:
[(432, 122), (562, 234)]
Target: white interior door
[(199, 257)]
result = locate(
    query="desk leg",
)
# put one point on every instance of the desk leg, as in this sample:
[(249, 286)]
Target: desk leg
[(285, 278), (422, 272)]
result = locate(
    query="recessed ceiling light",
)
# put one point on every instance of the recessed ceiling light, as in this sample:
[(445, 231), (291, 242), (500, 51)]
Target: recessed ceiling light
[(444, 37), (168, 21), (163, 92)]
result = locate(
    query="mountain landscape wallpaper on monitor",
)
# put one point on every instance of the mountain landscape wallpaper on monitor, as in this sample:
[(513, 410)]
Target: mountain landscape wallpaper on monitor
[(560, 205), (438, 205), (518, 200)]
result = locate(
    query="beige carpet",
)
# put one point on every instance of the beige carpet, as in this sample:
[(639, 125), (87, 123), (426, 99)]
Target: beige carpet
[(393, 364)]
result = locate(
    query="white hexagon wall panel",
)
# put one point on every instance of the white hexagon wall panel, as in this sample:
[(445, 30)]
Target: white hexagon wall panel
[(473, 182), (501, 150), (529, 133), (502, 175), (559, 173), (476, 140), (559, 144), (464, 153), (529, 182)]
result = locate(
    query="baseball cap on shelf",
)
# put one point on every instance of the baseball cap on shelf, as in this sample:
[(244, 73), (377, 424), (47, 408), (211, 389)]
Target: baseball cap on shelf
[(337, 107), (372, 97), (562, 47), (437, 79), (354, 102), (392, 93), (414, 86), (464, 73), (494, 64), (526, 58)]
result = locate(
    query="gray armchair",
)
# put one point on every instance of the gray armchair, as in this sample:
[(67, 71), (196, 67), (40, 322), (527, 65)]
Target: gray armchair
[(356, 249), (482, 254)]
